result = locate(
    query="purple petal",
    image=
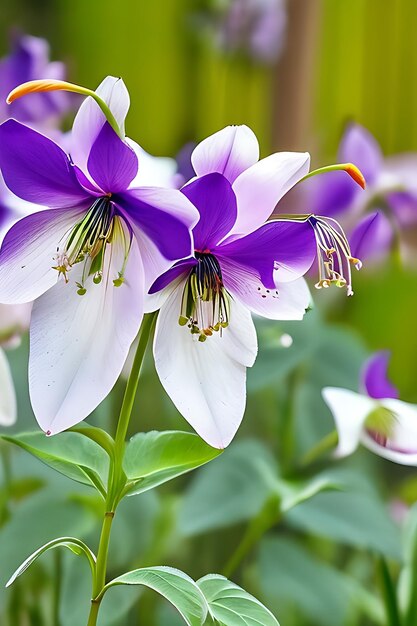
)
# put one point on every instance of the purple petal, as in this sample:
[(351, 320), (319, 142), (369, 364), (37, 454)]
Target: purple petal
[(404, 206), (375, 376), (230, 152), (372, 237), (36, 169), (170, 275), (287, 247), (214, 198), (112, 163), (359, 147), (165, 216), (331, 193)]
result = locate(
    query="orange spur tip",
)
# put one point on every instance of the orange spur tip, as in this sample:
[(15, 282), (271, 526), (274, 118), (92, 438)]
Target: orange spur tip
[(355, 173), (37, 86)]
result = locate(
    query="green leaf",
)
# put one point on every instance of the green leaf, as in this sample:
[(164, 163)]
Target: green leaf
[(77, 546), (231, 605), (174, 585), (232, 490), (155, 457), (408, 579), (71, 454), (293, 493), (303, 589)]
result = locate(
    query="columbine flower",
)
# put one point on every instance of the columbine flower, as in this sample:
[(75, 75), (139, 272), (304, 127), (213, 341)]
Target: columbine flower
[(389, 203), (87, 260), (29, 60), (375, 418), (253, 27), (205, 338)]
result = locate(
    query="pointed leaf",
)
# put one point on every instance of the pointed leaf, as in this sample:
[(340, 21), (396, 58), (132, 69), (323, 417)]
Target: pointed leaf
[(71, 454), (174, 585), (75, 545), (231, 605), (292, 493), (155, 457)]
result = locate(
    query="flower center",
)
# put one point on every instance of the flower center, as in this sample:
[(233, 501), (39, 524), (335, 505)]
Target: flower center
[(333, 254), (87, 243), (205, 306)]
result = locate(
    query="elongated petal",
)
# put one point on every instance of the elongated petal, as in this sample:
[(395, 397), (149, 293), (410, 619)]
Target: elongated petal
[(288, 247), (90, 119), (230, 152), (206, 381), (28, 254), (350, 411), (360, 147), (375, 376), (166, 217), (372, 238), (112, 163), (36, 169), (172, 274), (401, 446), (288, 301), (80, 343), (259, 188), (8, 409), (216, 203)]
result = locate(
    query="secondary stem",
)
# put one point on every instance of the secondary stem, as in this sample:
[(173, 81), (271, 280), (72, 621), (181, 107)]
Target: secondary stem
[(117, 479)]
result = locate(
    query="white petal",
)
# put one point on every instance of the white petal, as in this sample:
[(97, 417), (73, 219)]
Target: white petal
[(8, 409), (230, 152), (206, 381), (29, 251), (350, 411), (90, 118), (80, 343), (288, 301), (153, 171), (259, 188), (404, 436)]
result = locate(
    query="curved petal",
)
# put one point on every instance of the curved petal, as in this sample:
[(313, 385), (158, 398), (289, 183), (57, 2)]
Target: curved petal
[(36, 169), (90, 119), (261, 187), (230, 152), (359, 146), (401, 446), (111, 162), (216, 203), (166, 217), (287, 247), (288, 301), (350, 411), (174, 272), (331, 193), (372, 237), (206, 380), (28, 254), (375, 376), (8, 407), (154, 171), (80, 343)]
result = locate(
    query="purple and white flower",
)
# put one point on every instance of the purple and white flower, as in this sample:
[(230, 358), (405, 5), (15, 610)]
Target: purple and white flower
[(205, 337), (389, 204), (375, 418), (88, 259)]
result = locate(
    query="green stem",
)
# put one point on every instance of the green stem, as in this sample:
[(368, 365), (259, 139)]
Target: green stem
[(117, 479), (57, 587), (389, 594), (329, 442), (266, 518)]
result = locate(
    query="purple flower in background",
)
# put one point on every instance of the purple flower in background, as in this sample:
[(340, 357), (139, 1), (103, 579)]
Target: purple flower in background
[(389, 203), (253, 27), (376, 418), (29, 60), (88, 259), (205, 337)]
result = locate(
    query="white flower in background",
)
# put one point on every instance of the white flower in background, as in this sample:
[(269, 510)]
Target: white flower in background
[(376, 418), (8, 409)]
